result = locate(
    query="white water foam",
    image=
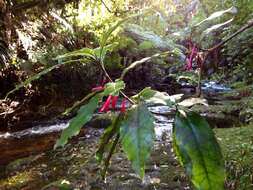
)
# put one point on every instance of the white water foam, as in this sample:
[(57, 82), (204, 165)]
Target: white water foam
[(37, 130)]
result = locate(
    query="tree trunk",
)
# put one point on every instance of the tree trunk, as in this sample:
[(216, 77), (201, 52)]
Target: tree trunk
[(4, 56)]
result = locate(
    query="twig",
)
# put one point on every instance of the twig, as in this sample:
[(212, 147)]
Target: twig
[(115, 142), (110, 79), (107, 8)]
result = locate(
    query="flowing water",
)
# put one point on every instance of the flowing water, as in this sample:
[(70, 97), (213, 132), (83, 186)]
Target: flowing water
[(42, 137)]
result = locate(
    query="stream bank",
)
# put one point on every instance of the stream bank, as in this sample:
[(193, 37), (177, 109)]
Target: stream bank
[(75, 167), (45, 167)]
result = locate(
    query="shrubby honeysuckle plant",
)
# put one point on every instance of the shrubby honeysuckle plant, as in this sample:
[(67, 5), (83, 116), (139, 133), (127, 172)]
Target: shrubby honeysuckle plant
[(133, 127)]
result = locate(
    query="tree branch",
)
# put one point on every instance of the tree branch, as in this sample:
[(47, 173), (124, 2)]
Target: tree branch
[(107, 8)]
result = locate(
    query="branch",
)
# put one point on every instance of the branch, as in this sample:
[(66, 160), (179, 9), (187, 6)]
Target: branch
[(110, 79), (107, 161), (107, 8)]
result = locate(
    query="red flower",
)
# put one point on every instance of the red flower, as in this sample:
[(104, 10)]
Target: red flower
[(106, 105), (114, 100), (189, 60), (98, 88), (123, 104), (101, 87)]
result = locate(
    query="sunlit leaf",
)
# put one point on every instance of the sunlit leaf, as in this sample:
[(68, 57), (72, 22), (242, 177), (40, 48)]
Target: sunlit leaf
[(108, 33), (108, 48), (198, 151), (85, 52), (215, 15), (104, 38), (217, 26), (83, 116), (192, 101), (113, 88), (137, 136), (156, 97)]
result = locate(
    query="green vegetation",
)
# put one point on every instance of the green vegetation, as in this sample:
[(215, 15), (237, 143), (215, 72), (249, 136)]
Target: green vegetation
[(237, 146)]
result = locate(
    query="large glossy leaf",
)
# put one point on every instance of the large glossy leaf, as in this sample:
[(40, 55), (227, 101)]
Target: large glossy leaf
[(198, 151), (85, 52), (155, 97), (83, 116), (137, 136)]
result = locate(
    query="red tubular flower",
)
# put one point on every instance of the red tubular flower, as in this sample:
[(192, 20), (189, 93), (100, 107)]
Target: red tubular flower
[(189, 60), (114, 100), (123, 104), (98, 88), (106, 105)]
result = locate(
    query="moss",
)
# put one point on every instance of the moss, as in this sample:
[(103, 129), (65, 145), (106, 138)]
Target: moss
[(237, 147), (17, 181)]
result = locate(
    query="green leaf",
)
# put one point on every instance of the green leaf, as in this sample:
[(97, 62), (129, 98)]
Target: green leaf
[(218, 14), (137, 136), (113, 88), (141, 61), (106, 35), (107, 136), (78, 103), (83, 116), (198, 151), (38, 75), (156, 97), (146, 45), (192, 101), (85, 52), (217, 26), (34, 77), (100, 52)]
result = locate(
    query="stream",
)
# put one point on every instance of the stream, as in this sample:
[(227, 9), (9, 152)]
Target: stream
[(28, 161), (42, 137)]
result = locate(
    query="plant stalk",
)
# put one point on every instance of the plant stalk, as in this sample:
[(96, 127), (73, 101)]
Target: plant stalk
[(108, 158), (110, 79)]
